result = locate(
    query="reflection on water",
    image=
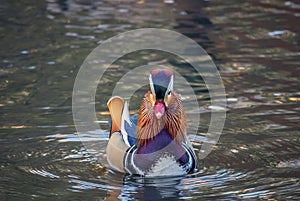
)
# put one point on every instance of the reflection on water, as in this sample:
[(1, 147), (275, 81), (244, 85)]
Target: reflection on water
[(255, 45)]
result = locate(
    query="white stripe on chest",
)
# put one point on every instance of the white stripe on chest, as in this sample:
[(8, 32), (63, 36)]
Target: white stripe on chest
[(166, 166)]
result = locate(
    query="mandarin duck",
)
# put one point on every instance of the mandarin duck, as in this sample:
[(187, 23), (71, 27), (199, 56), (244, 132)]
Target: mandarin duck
[(154, 142)]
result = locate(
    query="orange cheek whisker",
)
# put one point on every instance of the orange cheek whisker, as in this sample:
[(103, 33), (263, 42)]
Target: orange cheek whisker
[(174, 120)]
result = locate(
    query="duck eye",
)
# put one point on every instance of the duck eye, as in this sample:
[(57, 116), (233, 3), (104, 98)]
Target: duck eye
[(169, 93)]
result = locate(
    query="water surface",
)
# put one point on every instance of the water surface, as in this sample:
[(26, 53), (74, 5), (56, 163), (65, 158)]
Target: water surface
[(255, 45)]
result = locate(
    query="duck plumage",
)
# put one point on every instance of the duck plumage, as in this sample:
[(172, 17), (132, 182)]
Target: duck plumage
[(154, 142)]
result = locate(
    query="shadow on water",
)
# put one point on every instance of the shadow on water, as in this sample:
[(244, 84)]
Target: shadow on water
[(255, 45)]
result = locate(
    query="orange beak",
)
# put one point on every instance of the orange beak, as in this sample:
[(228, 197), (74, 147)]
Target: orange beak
[(159, 109)]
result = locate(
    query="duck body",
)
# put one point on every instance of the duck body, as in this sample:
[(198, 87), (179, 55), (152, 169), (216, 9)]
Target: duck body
[(159, 156), (154, 142)]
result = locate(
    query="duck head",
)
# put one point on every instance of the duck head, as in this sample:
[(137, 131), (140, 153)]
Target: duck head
[(161, 109), (161, 86)]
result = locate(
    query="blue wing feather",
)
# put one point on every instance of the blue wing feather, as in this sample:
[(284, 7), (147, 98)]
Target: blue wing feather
[(131, 129), (128, 126)]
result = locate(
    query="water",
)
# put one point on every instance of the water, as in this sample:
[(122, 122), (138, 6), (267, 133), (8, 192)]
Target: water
[(255, 45)]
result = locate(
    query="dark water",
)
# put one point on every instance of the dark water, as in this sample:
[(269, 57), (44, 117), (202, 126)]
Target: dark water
[(255, 45)]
